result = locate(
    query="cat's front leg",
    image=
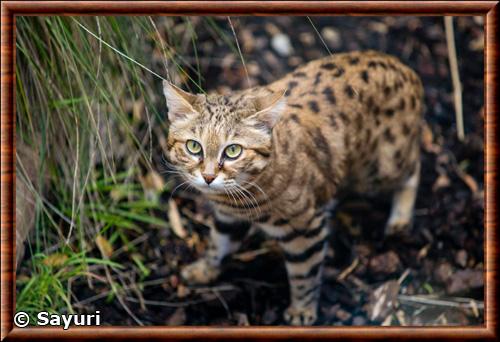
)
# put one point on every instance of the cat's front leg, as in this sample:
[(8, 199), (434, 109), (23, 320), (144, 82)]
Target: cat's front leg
[(304, 252), (225, 238)]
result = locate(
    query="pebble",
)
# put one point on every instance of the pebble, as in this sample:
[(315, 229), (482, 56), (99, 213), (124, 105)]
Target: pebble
[(359, 320), (461, 258), (307, 38), (332, 37), (281, 44), (443, 272)]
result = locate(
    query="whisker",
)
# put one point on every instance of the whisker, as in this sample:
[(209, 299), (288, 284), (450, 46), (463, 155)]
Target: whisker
[(253, 206), (177, 187), (258, 188), (228, 191), (253, 200)]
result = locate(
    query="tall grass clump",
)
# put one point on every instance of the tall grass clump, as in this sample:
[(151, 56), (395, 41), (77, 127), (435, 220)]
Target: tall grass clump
[(93, 121)]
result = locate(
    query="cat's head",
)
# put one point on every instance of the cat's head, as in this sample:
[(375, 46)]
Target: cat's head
[(221, 142)]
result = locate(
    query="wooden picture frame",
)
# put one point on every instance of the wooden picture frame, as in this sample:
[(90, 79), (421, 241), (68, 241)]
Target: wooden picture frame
[(10, 9)]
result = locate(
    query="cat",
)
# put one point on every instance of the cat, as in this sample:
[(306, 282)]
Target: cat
[(274, 157)]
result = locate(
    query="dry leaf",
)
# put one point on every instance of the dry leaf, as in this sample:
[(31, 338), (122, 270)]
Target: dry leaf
[(383, 301), (177, 318), (428, 140), (56, 259), (442, 181), (104, 246), (422, 253), (469, 181), (182, 291), (175, 220), (153, 184), (462, 281)]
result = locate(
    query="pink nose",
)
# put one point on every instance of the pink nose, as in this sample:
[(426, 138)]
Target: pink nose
[(208, 178)]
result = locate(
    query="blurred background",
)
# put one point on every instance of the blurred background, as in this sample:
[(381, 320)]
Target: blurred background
[(102, 226)]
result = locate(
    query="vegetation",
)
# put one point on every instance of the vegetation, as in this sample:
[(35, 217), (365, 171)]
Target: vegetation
[(88, 113)]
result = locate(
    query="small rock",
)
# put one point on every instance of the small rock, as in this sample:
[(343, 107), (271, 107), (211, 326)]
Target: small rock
[(271, 58), (281, 44), (307, 38), (182, 291), (270, 316), (461, 258), (358, 320), (332, 37), (248, 41), (271, 28), (241, 318), (386, 263), (295, 61), (464, 280), (177, 318), (443, 272), (342, 315)]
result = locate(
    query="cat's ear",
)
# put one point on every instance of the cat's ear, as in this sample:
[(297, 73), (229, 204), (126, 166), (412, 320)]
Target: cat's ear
[(179, 102), (270, 108)]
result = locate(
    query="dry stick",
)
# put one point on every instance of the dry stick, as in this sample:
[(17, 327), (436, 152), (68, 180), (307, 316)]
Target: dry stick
[(239, 51), (440, 302), (103, 294), (348, 270), (455, 77)]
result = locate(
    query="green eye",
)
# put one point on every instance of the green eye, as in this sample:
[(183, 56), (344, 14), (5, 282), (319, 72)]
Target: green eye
[(193, 147), (233, 151)]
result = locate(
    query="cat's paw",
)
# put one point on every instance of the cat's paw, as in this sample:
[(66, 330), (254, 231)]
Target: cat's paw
[(199, 272), (300, 316)]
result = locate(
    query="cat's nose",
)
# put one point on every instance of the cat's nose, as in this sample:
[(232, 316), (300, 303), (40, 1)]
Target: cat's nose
[(209, 178)]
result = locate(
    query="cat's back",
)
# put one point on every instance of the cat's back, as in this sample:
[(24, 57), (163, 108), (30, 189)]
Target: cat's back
[(355, 115), (348, 81)]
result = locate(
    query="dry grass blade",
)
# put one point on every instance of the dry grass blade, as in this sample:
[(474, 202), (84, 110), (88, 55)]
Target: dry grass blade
[(117, 51), (451, 302), (239, 51), (175, 220), (455, 76), (348, 270)]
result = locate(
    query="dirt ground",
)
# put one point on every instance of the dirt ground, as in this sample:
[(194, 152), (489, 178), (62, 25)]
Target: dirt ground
[(434, 276)]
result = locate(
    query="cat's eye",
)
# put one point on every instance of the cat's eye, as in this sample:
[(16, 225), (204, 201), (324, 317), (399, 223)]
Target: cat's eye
[(193, 147), (233, 151)]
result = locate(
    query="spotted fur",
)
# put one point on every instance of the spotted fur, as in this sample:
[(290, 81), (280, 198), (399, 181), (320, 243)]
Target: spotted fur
[(346, 123)]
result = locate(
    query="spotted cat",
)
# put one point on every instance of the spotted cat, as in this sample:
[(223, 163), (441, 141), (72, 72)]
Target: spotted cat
[(274, 157)]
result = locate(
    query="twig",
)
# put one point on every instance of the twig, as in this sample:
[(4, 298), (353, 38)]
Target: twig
[(440, 302), (403, 276), (154, 282), (170, 304), (455, 77), (224, 303), (348, 270)]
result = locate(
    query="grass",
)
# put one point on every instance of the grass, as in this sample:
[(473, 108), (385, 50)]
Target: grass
[(88, 114), (88, 102)]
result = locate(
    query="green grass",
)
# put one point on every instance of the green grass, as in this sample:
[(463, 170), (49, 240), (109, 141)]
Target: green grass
[(75, 109)]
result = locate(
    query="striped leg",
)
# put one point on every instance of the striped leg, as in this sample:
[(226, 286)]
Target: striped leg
[(225, 238), (304, 255)]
